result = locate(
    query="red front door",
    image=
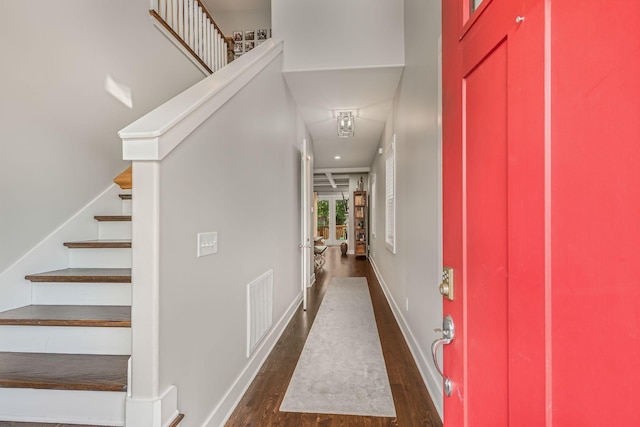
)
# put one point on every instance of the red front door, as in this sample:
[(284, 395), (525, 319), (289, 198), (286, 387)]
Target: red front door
[(541, 200), (493, 162)]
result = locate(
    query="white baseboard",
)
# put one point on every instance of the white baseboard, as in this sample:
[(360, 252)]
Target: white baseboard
[(226, 406), (432, 379)]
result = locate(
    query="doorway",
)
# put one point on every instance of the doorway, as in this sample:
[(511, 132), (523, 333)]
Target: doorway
[(332, 219)]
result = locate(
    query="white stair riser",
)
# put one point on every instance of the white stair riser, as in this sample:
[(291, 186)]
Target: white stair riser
[(114, 230), (65, 339), (100, 258), (126, 207), (63, 406), (81, 293)]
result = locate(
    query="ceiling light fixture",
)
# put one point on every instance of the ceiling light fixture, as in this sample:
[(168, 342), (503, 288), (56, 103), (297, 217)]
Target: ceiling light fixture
[(337, 157), (346, 124)]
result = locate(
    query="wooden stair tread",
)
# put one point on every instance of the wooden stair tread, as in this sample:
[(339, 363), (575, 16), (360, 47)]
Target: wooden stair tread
[(68, 315), (84, 275), (101, 243), (125, 196), (177, 420), (63, 371), (113, 218)]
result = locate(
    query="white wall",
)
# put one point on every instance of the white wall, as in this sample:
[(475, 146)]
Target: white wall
[(332, 34), (237, 174), (230, 21), (413, 273), (59, 139)]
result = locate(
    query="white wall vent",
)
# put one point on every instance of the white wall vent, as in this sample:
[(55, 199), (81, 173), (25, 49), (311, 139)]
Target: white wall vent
[(259, 309)]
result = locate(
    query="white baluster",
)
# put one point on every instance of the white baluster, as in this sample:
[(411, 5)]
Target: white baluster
[(203, 34), (214, 36), (211, 46), (163, 9), (180, 29), (221, 51), (196, 26), (192, 22), (175, 23), (171, 17), (185, 21), (199, 51), (225, 48), (205, 55), (207, 51)]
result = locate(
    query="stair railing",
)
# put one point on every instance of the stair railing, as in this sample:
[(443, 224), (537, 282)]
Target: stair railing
[(193, 29)]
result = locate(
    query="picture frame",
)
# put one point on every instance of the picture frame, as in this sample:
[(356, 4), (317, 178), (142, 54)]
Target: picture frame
[(248, 46), (237, 48), (261, 34), (249, 35), (237, 36)]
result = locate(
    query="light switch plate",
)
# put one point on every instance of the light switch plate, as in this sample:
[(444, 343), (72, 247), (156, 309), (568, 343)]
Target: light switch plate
[(207, 243)]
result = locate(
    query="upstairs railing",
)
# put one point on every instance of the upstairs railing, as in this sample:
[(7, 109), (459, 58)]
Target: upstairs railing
[(193, 28)]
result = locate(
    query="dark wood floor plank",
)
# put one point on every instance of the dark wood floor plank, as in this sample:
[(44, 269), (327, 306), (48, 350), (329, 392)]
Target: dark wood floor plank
[(100, 244), (68, 315), (84, 275), (63, 371), (260, 405)]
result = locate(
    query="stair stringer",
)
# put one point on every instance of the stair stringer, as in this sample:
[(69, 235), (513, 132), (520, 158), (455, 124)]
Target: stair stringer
[(50, 254)]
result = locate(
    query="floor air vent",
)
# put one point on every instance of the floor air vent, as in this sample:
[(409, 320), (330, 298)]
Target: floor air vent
[(259, 309)]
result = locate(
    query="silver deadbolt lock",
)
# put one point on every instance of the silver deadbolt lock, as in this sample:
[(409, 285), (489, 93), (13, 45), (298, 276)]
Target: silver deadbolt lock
[(446, 287)]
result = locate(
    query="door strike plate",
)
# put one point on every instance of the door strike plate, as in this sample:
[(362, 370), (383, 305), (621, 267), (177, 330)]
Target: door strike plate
[(446, 287)]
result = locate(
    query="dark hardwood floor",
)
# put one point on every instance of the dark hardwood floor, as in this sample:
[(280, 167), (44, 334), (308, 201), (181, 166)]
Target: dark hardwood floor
[(260, 405)]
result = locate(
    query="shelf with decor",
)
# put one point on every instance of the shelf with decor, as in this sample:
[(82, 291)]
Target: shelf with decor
[(361, 235)]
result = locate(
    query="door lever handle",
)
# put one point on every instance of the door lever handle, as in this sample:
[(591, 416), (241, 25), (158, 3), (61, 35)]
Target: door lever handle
[(448, 333)]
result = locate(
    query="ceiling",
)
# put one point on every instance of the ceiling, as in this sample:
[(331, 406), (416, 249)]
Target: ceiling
[(368, 92)]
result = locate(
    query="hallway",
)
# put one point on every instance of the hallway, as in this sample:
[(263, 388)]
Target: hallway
[(260, 405)]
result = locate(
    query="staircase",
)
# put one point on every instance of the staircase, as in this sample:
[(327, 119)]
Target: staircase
[(64, 358)]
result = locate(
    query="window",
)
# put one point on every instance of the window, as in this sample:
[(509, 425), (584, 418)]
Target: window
[(390, 197)]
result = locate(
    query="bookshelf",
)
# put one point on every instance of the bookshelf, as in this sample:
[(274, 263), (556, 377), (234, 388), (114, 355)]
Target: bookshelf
[(361, 235)]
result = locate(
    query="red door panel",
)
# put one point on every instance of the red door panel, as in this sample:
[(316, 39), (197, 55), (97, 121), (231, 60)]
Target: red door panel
[(486, 286), (563, 323), (494, 218), (595, 206)]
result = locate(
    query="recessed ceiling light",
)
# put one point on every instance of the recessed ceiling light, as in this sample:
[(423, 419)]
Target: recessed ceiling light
[(337, 157)]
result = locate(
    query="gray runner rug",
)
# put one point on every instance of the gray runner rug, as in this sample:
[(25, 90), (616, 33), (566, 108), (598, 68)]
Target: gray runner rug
[(341, 369)]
